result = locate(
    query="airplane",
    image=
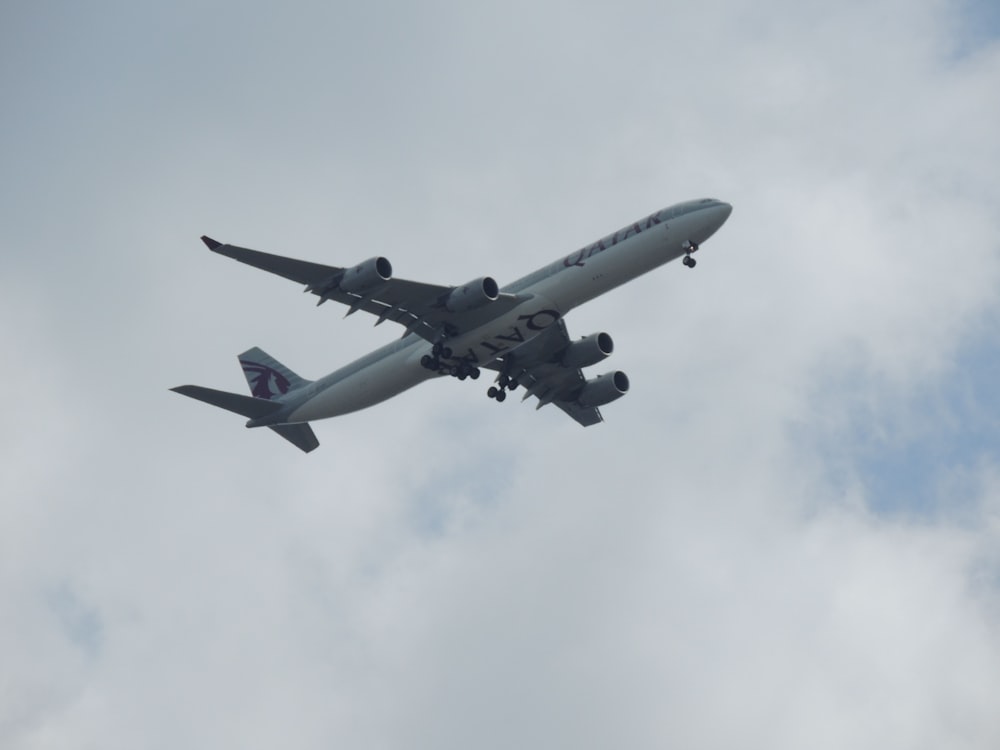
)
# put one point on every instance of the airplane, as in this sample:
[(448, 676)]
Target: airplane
[(517, 331)]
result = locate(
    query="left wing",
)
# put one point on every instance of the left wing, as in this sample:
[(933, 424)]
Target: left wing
[(431, 311), (537, 365)]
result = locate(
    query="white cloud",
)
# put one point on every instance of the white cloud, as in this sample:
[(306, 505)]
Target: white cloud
[(707, 568)]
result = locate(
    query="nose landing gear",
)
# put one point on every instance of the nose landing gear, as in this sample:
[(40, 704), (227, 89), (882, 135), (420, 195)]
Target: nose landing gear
[(690, 247)]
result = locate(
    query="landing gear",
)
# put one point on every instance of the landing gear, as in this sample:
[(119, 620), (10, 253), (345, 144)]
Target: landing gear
[(690, 247), (505, 383), (457, 369), (498, 393)]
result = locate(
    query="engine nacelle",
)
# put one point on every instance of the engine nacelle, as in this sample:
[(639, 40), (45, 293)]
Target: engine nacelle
[(588, 351), (472, 295), (604, 389), (366, 276)]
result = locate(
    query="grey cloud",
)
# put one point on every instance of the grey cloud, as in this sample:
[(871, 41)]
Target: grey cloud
[(707, 568)]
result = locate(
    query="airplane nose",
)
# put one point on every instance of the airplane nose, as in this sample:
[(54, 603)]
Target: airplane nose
[(724, 210)]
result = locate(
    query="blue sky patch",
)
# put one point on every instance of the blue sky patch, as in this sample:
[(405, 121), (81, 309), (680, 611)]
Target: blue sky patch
[(79, 621), (923, 462), (980, 23)]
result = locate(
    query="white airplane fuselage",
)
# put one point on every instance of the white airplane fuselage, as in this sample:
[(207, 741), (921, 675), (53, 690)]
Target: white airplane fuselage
[(550, 293)]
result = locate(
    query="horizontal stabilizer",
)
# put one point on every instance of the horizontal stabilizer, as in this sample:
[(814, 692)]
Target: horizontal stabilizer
[(248, 406), (299, 435), (210, 243)]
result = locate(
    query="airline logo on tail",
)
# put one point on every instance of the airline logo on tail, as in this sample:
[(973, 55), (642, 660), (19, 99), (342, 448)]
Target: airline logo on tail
[(265, 382)]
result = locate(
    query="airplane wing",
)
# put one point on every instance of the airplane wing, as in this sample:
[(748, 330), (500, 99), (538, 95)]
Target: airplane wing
[(421, 308), (536, 367)]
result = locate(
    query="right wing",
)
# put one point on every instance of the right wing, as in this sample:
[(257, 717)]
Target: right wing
[(536, 365), (420, 308)]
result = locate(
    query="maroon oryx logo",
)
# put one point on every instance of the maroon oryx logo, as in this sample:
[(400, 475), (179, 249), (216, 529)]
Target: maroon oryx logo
[(265, 382)]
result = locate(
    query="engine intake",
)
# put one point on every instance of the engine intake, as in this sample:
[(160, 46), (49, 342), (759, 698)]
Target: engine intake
[(366, 276), (604, 389), (473, 295), (588, 351)]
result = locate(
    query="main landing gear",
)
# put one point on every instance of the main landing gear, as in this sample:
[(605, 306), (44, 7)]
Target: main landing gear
[(456, 369), (463, 369), (506, 383), (690, 247)]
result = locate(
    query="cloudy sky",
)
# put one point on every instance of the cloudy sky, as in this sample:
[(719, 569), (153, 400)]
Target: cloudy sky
[(786, 536)]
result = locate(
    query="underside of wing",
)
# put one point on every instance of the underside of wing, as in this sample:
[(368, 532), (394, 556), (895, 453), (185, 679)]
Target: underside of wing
[(431, 311), (554, 384), (585, 415), (421, 308), (301, 271), (549, 367)]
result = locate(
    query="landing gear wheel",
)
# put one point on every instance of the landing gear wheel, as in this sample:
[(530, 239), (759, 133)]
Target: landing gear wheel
[(501, 395), (427, 362), (689, 261), (492, 392), (512, 385)]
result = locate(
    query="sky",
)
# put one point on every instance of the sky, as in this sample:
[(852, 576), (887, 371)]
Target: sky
[(786, 535)]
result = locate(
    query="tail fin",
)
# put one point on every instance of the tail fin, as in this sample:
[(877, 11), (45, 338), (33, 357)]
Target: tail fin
[(266, 376), (268, 380)]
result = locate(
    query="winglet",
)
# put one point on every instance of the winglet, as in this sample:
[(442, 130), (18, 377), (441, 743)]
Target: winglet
[(210, 243)]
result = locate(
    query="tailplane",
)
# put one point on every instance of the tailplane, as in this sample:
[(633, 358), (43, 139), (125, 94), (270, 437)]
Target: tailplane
[(248, 406), (299, 435), (269, 380)]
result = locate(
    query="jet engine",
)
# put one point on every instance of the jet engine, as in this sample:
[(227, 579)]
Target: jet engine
[(366, 276), (473, 295), (588, 351), (604, 389)]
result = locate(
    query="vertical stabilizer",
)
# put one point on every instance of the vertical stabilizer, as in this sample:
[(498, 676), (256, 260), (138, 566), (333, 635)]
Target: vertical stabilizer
[(266, 376)]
